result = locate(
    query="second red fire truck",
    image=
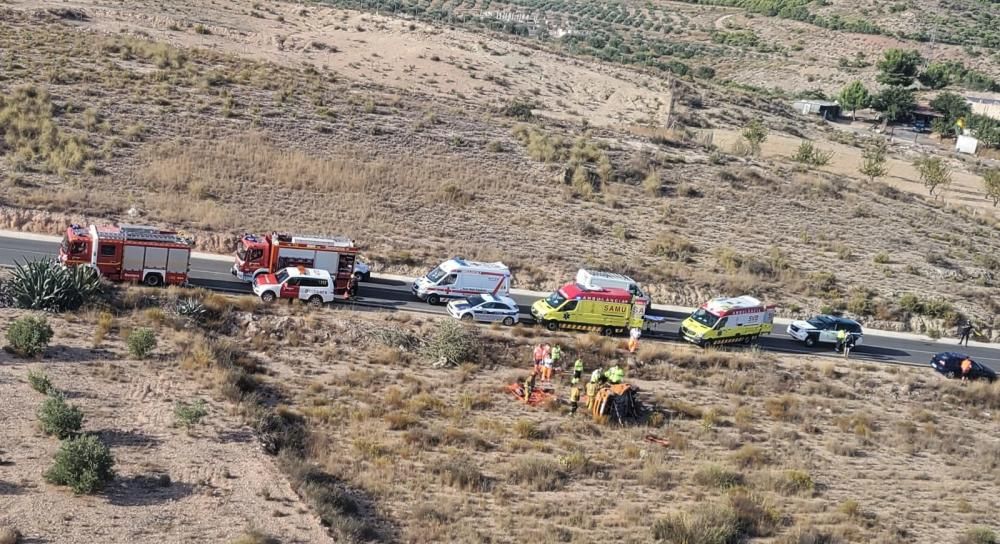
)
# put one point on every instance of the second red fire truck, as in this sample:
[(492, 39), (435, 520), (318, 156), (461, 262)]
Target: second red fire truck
[(129, 253), (268, 253)]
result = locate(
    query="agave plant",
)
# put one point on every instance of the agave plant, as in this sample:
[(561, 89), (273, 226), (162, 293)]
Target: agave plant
[(45, 285), (192, 308)]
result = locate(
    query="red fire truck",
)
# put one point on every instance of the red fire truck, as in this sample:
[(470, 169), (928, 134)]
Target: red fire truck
[(129, 253), (268, 253)]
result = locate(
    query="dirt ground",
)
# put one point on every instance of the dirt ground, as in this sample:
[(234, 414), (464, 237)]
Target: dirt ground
[(791, 446), (221, 484)]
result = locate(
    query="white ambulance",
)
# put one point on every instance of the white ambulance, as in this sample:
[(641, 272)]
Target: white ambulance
[(596, 279), (459, 278)]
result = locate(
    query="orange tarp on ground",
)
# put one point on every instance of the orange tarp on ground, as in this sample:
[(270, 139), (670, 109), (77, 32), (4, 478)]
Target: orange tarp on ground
[(542, 393)]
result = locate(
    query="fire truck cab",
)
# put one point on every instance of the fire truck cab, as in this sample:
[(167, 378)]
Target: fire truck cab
[(269, 253), (129, 253)]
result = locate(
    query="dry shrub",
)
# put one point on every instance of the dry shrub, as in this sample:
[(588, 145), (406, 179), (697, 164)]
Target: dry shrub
[(537, 474), (859, 423), (788, 482), (783, 408), (750, 456), (384, 355), (711, 524), (9, 535), (810, 535), (255, 160), (978, 535), (743, 418), (462, 473), (743, 516), (654, 352), (850, 508), (527, 429), (253, 536), (682, 408), (717, 477), (655, 473), (709, 358), (105, 323), (400, 421), (31, 137), (331, 500), (673, 247), (845, 448)]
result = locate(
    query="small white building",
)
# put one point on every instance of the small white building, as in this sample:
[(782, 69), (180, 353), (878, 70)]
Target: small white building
[(966, 144), (824, 108)]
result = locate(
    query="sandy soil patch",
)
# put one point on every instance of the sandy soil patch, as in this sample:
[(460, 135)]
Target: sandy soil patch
[(220, 482)]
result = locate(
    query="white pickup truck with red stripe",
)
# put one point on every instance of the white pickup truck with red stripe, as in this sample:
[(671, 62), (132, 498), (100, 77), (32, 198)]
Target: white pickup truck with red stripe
[(459, 278)]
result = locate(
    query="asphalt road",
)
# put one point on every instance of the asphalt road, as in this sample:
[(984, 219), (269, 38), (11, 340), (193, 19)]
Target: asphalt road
[(391, 294)]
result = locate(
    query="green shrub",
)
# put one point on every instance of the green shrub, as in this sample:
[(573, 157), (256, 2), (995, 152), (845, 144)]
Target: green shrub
[(44, 285), (85, 464), (190, 414), (141, 342), (808, 153), (57, 417), (452, 343), (40, 382), (28, 336)]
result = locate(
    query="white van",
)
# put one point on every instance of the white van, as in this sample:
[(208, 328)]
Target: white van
[(595, 279), (458, 278)]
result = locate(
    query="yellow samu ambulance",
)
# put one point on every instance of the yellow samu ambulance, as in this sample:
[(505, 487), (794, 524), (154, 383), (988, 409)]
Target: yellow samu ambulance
[(728, 320), (606, 310)]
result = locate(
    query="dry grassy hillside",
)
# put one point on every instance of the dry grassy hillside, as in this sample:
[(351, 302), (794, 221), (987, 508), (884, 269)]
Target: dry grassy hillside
[(203, 121), (376, 444)]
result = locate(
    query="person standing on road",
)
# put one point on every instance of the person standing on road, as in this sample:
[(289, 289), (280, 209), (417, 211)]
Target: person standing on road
[(965, 332), (841, 340)]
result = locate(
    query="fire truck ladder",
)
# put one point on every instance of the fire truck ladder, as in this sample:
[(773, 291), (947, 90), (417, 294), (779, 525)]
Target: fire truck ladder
[(147, 234), (337, 241)]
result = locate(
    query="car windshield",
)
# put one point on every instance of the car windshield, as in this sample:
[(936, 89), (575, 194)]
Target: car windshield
[(705, 317), (281, 276), (555, 300), (241, 251), (435, 275), (474, 300), (819, 323)]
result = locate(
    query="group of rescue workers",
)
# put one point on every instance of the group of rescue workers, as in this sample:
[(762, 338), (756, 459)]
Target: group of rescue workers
[(547, 358)]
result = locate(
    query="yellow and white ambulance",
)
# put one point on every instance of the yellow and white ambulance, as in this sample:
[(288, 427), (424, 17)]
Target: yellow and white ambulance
[(728, 320)]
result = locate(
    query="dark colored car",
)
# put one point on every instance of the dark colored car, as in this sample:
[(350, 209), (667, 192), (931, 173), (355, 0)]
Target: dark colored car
[(949, 363)]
